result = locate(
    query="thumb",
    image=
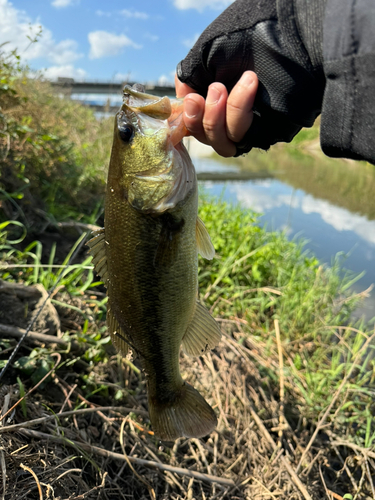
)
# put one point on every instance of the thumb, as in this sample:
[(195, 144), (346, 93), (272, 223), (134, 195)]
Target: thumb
[(182, 89)]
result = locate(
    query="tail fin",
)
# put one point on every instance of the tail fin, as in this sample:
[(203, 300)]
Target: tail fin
[(188, 415)]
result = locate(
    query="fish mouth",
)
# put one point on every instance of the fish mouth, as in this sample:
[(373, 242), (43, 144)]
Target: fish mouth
[(137, 102), (159, 108)]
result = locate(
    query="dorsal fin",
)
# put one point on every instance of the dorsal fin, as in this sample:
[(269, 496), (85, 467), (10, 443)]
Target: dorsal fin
[(97, 246)]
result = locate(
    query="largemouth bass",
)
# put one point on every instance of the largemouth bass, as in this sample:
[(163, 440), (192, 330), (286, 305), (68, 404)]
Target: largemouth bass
[(147, 256)]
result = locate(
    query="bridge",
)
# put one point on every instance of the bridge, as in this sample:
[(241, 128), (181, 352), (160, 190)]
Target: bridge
[(112, 90), (70, 86)]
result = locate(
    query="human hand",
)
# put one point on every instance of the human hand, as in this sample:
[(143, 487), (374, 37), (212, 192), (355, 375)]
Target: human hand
[(260, 37), (220, 120)]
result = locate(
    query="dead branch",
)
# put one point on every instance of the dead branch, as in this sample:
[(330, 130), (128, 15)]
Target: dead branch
[(83, 411), (117, 456), (14, 331)]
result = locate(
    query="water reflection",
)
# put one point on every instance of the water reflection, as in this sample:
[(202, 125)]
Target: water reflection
[(329, 228)]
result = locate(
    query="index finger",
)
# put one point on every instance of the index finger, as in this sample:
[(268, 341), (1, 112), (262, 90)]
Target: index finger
[(182, 89)]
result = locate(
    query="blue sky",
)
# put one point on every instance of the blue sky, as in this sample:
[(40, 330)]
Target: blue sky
[(114, 40)]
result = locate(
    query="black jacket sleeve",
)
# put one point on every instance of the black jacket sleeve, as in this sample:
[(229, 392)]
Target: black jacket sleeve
[(310, 56), (348, 113)]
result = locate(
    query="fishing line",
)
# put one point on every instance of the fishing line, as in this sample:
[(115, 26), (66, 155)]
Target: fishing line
[(80, 242)]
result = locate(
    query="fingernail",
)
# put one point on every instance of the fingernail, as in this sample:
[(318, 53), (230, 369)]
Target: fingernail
[(247, 79), (213, 95), (191, 108)]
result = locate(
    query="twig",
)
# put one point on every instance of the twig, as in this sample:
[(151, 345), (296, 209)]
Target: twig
[(95, 488), (117, 456), (361, 481), (3, 472), (262, 485), (24, 467), (22, 291), (238, 459), (355, 447), (347, 470), (64, 474), (334, 399), (67, 386), (369, 478), (146, 483), (336, 496), (281, 370), (67, 399), (80, 226), (35, 386), (16, 332), (30, 423), (4, 410), (298, 483), (324, 483)]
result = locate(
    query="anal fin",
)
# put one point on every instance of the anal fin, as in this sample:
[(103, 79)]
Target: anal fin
[(203, 333), (117, 334), (97, 246), (204, 243)]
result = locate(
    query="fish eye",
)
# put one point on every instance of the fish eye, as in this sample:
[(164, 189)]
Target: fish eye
[(126, 132)]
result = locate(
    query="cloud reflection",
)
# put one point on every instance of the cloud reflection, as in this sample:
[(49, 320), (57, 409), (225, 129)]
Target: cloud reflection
[(263, 196)]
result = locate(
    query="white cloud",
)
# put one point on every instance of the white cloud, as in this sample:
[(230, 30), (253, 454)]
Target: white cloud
[(200, 5), (134, 13), (104, 44), (67, 71), (16, 27), (61, 3), (152, 38), (189, 42), (101, 13), (164, 80), (124, 77)]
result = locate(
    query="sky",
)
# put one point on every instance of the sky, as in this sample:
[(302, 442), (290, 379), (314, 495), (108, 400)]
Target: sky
[(138, 41)]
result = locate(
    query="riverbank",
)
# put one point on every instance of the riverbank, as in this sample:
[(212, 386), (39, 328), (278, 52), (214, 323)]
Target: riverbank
[(327, 202), (292, 381), (288, 355)]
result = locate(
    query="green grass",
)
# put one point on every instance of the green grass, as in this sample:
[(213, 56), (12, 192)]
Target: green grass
[(256, 277), (249, 259)]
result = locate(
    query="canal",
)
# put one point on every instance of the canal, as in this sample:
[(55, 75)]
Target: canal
[(330, 204)]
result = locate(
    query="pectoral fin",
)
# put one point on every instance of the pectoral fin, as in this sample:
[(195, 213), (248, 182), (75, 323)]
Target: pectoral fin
[(204, 243), (97, 247), (117, 334), (203, 333)]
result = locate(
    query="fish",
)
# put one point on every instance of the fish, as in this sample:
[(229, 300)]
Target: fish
[(147, 257)]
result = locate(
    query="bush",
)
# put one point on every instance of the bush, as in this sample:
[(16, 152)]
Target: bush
[(53, 151)]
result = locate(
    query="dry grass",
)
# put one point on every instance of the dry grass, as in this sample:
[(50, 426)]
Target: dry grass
[(260, 444)]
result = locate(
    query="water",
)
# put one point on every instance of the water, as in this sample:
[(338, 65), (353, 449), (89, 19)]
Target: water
[(302, 213)]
